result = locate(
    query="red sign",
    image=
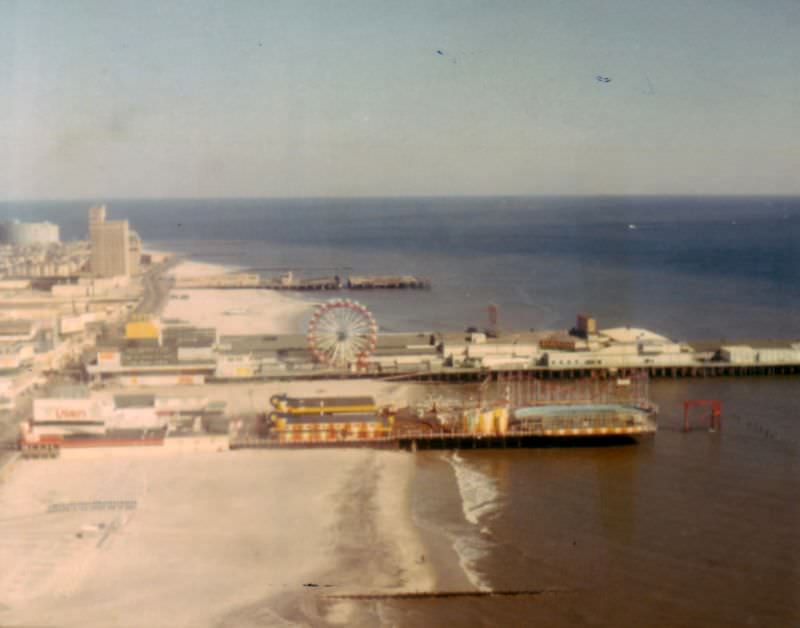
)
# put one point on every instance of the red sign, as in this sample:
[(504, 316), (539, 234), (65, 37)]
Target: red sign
[(68, 413)]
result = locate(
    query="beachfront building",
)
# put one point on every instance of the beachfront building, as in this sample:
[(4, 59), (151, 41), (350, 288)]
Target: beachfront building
[(253, 356), (395, 352), (619, 347), (110, 245), (76, 413), (780, 352), (330, 428), (327, 419), (476, 349), (156, 353)]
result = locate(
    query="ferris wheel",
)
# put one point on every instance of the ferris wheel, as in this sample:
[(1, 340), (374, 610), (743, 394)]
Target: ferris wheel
[(342, 332)]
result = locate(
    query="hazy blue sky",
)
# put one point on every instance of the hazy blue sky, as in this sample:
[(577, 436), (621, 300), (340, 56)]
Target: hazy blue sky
[(349, 98)]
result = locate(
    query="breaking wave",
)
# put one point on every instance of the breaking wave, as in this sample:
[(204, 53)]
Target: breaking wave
[(479, 498), (479, 494)]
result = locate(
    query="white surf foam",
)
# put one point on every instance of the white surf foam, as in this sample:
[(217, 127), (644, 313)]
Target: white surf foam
[(479, 493), (470, 550), (479, 498)]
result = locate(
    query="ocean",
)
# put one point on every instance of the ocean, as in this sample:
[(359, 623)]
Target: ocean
[(690, 268), (698, 529)]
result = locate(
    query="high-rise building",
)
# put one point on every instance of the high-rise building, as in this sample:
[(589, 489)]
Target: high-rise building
[(110, 242), (97, 214)]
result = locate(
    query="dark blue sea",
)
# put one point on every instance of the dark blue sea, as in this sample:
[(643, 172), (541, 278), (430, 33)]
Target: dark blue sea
[(691, 268), (699, 529)]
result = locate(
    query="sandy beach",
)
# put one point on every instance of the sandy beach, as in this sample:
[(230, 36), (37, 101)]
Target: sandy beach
[(235, 311), (217, 539), (254, 312)]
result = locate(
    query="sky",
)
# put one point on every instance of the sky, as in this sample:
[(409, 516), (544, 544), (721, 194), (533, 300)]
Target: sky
[(405, 98)]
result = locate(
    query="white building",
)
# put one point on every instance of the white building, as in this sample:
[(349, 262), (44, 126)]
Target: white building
[(623, 347), (477, 349), (27, 233), (745, 354)]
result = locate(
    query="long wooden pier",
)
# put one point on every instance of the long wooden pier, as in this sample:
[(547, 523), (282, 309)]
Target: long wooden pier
[(456, 375), (708, 370), (403, 282)]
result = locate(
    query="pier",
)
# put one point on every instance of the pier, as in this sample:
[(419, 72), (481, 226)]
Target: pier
[(443, 440), (288, 281), (524, 414), (459, 375), (388, 283), (708, 370)]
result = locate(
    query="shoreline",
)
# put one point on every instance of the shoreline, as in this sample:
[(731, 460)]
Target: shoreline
[(384, 557), (434, 549), (337, 518), (234, 312)]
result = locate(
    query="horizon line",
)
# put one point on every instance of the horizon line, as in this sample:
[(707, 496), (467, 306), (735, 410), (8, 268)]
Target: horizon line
[(112, 199)]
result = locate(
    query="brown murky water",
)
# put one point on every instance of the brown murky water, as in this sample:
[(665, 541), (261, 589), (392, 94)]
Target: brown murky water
[(698, 529)]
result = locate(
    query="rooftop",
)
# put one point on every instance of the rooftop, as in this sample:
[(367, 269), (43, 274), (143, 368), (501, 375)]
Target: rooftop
[(295, 419), (570, 410), (15, 327), (504, 337), (323, 402), (134, 401), (631, 334)]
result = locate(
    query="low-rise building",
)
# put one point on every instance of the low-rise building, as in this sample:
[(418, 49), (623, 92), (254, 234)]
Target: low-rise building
[(789, 353), (14, 356), (148, 348), (13, 330), (327, 419), (618, 347), (506, 349)]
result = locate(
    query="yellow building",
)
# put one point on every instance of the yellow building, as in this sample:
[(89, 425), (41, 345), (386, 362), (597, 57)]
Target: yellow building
[(141, 330), (328, 419), (323, 405), (329, 427)]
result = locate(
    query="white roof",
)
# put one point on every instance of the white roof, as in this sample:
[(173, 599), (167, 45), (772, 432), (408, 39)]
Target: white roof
[(632, 334)]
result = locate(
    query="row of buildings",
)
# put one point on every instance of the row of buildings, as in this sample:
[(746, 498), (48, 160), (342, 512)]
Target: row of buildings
[(169, 351), (586, 347), (43, 260), (77, 417), (163, 352), (24, 344), (57, 296), (43, 336), (34, 249)]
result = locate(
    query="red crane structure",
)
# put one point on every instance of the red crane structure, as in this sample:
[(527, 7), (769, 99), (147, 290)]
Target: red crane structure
[(714, 416)]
